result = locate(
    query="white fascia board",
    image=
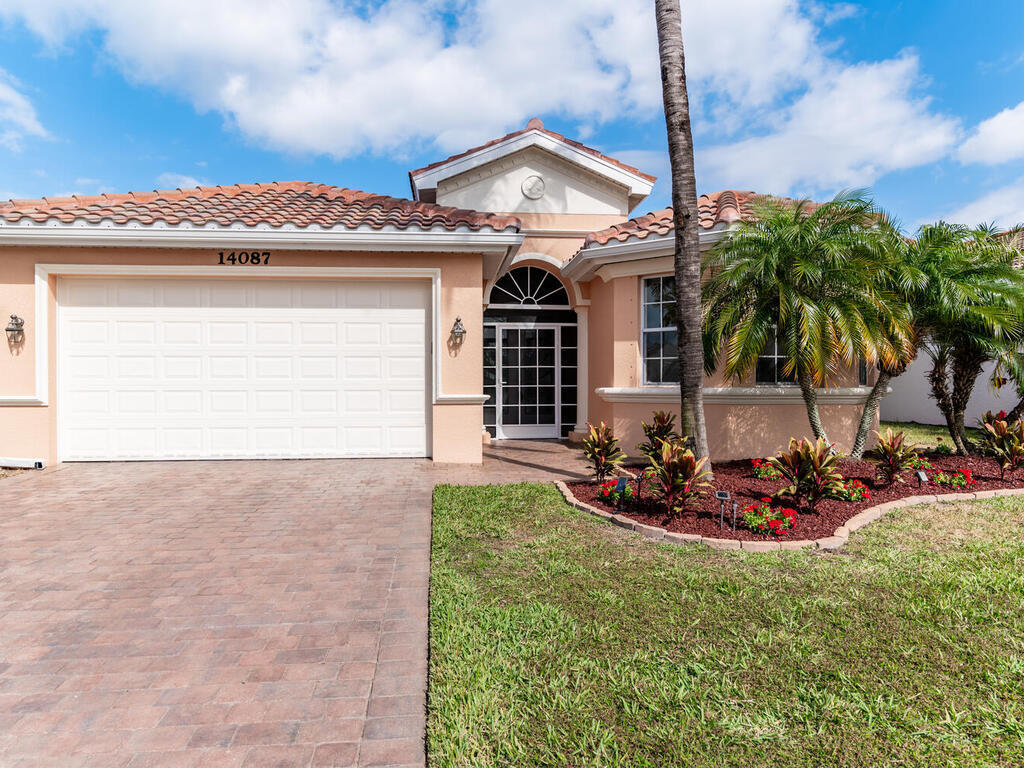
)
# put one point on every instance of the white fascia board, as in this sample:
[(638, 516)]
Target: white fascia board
[(636, 184), (462, 240), (584, 265), (734, 395)]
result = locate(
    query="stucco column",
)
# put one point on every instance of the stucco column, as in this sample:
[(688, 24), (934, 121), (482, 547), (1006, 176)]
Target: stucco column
[(582, 387)]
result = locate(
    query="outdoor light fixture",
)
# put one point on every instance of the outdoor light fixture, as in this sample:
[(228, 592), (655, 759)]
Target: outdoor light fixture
[(458, 331), (723, 496), (922, 477), (16, 330)]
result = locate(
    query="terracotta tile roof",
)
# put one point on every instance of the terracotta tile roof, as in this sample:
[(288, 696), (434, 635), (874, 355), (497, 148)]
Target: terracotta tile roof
[(535, 124), (1015, 237), (723, 207), (297, 203)]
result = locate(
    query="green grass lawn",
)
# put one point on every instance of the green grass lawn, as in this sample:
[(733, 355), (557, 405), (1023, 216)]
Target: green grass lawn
[(558, 640), (926, 434)]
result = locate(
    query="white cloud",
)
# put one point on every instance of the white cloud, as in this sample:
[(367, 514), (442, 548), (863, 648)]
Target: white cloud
[(1003, 207), (17, 115), (851, 126), (391, 77), (171, 180), (996, 140), (403, 76)]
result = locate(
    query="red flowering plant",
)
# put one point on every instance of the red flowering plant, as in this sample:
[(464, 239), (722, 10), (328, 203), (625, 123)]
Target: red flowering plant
[(608, 494), (761, 517), (960, 478), (851, 490), (920, 462), (765, 470)]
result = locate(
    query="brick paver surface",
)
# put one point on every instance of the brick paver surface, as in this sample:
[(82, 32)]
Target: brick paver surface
[(268, 613)]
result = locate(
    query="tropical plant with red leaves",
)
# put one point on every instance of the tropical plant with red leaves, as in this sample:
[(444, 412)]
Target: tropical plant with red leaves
[(601, 449), (1006, 443), (678, 475), (893, 456), (812, 470)]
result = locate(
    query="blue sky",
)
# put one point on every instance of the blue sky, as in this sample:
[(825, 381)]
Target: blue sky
[(922, 101)]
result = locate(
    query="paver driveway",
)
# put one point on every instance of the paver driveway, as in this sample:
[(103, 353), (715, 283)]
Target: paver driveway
[(223, 613)]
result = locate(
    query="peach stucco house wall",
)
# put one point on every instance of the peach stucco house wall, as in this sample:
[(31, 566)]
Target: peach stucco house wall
[(380, 327)]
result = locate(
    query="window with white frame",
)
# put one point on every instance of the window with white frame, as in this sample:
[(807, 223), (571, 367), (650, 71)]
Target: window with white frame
[(771, 364), (658, 345)]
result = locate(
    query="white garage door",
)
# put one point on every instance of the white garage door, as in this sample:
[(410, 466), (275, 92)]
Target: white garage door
[(223, 368)]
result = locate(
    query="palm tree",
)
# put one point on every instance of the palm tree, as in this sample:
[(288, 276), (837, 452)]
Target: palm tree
[(684, 203), (967, 298), (816, 278)]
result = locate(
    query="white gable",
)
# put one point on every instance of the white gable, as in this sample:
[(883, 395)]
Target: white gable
[(534, 181), (560, 176)]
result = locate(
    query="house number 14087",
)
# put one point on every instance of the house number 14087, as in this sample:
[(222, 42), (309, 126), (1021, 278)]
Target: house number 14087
[(250, 258)]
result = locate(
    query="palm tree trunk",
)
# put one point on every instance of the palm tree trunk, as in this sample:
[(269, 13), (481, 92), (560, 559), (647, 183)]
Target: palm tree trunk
[(810, 395), (938, 379), (867, 416), (687, 244), (967, 365), (1017, 413)]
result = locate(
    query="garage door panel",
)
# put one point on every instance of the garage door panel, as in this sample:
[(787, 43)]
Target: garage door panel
[(273, 333), (312, 333), (168, 368)]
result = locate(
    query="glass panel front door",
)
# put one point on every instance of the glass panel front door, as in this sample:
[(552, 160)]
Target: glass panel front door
[(528, 381)]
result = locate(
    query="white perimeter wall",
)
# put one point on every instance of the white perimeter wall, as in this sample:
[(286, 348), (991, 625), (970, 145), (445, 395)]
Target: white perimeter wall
[(909, 400)]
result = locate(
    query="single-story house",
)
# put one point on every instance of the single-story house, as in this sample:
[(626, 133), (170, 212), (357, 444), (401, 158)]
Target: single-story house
[(509, 298)]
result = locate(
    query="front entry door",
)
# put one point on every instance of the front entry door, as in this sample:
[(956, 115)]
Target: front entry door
[(528, 381)]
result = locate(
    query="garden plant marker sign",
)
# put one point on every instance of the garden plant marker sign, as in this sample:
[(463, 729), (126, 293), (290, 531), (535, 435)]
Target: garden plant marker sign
[(620, 489)]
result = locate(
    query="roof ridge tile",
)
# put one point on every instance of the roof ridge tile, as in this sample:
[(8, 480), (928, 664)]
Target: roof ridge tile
[(533, 126)]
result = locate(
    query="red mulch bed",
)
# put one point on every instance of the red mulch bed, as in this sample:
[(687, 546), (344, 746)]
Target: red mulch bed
[(702, 516)]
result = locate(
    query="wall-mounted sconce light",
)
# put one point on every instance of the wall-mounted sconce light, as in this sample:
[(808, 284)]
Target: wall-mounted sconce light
[(16, 330), (458, 331)]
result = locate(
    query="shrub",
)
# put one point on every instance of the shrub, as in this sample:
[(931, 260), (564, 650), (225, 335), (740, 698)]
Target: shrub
[(680, 477), (991, 418), (944, 449), (608, 494), (920, 462), (960, 478), (760, 517), (893, 455), (601, 449), (662, 427), (811, 470), (1006, 443), (763, 470), (852, 490)]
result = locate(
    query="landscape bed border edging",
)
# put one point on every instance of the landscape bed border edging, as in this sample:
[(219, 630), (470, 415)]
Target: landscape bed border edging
[(838, 538)]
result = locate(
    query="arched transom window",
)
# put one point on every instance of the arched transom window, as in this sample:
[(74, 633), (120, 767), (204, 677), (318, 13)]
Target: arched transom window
[(529, 286)]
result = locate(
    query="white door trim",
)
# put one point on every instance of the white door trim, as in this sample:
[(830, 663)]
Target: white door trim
[(42, 287), (528, 431)]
